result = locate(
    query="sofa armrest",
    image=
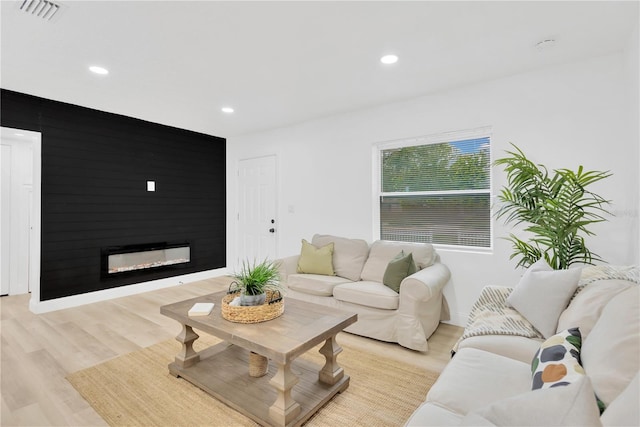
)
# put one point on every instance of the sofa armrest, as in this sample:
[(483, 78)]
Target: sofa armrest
[(422, 303), (426, 283), (287, 266)]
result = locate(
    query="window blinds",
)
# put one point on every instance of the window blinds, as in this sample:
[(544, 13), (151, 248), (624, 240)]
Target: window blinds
[(437, 193)]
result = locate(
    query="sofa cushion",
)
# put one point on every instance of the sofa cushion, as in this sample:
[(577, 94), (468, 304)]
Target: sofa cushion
[(315, 260), (475, 378), (314, 284), (349, 255), (611, 353), (542, 295), (370, 294), (429, 414), (573, 405), (586, 306), (511, 346), (398, 269), (557, 362), (383, 251), (624, 410)]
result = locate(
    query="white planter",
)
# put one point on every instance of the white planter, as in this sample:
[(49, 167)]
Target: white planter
[(246, 300)]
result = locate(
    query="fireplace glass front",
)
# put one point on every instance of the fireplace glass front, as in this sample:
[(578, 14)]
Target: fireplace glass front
[(142, 257)]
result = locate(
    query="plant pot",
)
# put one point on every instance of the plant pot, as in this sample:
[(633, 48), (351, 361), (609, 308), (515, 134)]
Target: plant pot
[(248, 300)]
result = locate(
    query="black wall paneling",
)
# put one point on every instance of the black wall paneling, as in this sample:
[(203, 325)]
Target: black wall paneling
[(95, 168)]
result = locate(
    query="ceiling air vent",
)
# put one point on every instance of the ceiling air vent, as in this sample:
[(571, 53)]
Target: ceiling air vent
[(43, 9)]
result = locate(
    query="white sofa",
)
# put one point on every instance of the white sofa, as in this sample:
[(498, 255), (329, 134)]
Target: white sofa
[(489, 379), (407, 317)]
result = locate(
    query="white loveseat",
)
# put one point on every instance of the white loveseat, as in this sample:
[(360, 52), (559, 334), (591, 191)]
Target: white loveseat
[(489, 379), (407, 317)]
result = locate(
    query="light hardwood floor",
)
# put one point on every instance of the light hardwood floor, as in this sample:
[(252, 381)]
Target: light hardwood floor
[(38, 351)]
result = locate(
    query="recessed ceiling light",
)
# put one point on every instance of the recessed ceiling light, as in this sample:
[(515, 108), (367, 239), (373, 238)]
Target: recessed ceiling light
[(227, 110), (99, 70), (389, 59)]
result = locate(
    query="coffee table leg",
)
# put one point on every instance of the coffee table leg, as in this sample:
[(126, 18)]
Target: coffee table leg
[(285, 409), (187, 356), (331, 373)]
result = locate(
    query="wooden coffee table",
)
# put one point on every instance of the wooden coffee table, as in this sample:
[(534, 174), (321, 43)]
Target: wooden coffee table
[(223, 369)]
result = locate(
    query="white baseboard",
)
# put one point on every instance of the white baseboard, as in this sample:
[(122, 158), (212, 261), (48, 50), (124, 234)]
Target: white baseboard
[(457, 319), (39, 307)]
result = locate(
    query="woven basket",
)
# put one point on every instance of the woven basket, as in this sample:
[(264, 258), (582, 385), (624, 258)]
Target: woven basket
[(272, 308), (258, 365)]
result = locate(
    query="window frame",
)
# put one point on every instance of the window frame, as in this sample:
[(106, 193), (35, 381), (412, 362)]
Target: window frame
[(377, 193)]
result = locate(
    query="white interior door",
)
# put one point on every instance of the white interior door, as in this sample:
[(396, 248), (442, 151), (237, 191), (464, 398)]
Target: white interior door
[(5, 237), (257, 223), (19, 223)]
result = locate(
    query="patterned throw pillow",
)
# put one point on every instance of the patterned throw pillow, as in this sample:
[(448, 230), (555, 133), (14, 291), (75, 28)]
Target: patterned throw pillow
[(557, 362)]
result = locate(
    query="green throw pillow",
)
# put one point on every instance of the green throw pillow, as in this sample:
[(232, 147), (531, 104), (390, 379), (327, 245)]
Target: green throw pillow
[(316, 260), (397, 269)]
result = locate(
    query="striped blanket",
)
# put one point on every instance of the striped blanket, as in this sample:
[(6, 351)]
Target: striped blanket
[(490, 315)]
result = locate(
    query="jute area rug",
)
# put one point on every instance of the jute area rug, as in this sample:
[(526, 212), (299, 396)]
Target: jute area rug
[(136, 389)]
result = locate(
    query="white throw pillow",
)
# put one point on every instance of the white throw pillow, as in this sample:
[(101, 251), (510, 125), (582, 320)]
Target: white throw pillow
[(542, 295), (611, 353), (585, 308), (624, 411), (572, 405)]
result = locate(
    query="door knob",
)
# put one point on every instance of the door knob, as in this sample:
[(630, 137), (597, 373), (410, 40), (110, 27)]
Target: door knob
[(272, 230)]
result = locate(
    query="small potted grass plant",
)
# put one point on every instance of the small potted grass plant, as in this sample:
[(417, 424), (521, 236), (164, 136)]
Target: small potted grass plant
[(255, 279)]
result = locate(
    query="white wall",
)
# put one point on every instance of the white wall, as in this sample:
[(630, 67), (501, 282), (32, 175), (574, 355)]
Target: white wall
[(632, 75), (562, 116)]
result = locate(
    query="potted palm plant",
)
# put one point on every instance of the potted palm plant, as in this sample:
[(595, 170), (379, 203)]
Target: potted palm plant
[(255, 279), (557, 208)]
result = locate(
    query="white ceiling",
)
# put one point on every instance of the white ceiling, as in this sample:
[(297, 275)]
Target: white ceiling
[(279, 63)]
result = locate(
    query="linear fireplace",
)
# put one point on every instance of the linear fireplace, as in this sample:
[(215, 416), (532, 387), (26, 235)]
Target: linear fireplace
[(117, 260)]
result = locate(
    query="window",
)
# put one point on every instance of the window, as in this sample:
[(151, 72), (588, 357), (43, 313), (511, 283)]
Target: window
[(437, 189)]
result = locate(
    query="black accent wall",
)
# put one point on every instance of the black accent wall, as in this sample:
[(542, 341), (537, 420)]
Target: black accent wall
[(95, 168)]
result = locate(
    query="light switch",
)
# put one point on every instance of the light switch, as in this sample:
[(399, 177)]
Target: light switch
[(151, 186)]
